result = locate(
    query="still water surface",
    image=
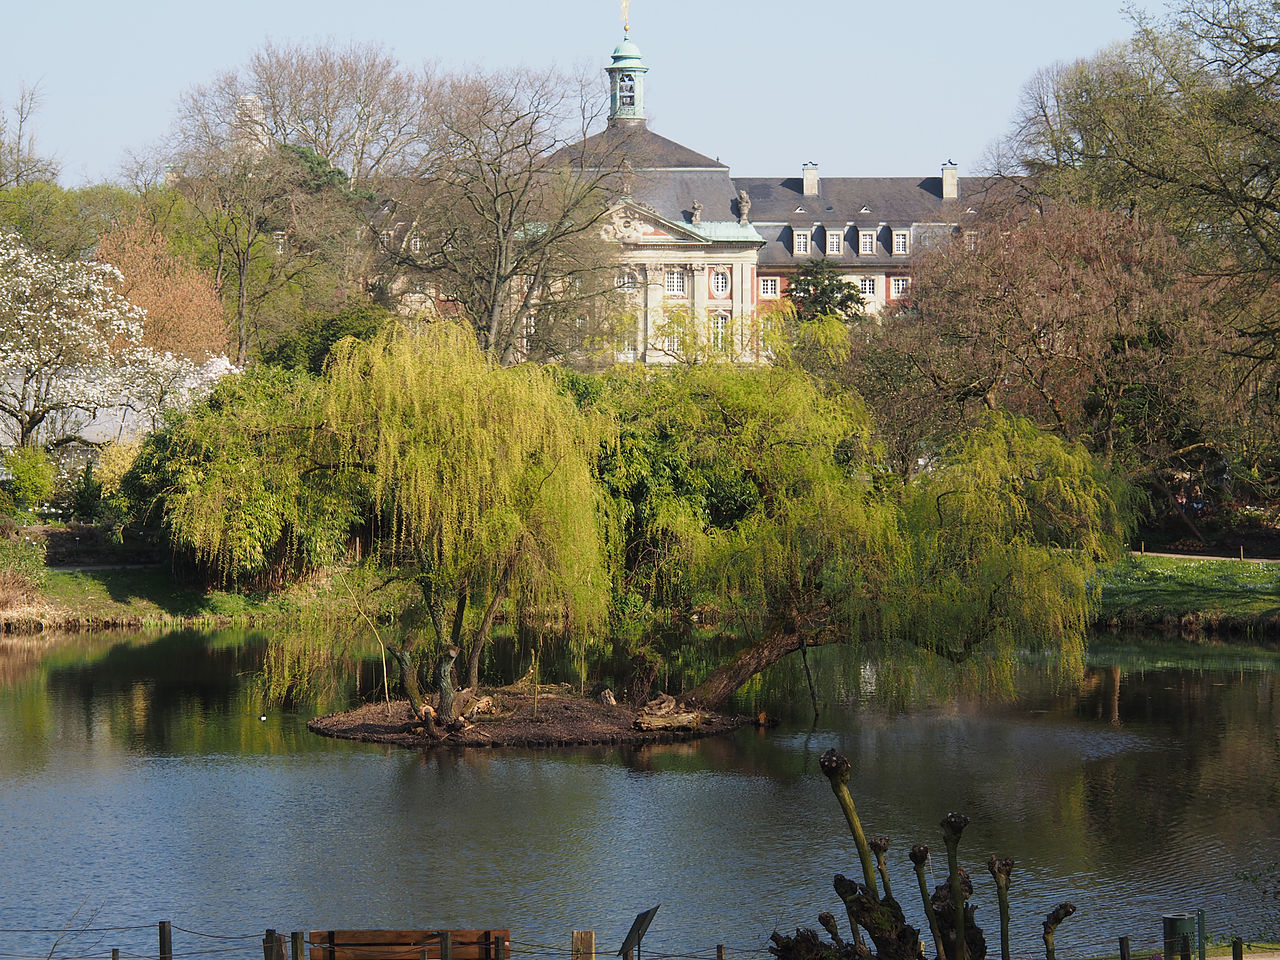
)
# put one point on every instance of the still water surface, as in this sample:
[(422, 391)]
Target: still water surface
[(137, 784)]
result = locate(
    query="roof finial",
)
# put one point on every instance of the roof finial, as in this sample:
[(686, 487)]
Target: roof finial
[(626, 16)]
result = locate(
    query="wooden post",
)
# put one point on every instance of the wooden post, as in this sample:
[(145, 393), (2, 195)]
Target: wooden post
[(1186, 947), (1200, 937), (299, 942), (273, 947), (500, 947), (446, 945), (166, 940), (583, 946), (1124, 948), (115, 953), (719, 951), (1237, 948)]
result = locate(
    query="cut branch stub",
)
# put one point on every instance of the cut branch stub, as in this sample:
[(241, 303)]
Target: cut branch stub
[(836, 768), (1055, 917), (1001, 870), (919, 855), (975, 941), (880, 847), (953, 825), (886, 926)]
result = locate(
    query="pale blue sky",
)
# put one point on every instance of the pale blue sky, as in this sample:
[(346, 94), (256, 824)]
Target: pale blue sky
[(862, 88)]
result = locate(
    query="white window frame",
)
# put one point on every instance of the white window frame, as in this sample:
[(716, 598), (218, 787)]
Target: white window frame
[(866, 242), (901, 243), (627, 281), (384, 237), (770, 288), (867, 286), (674, 284), (835, 242), (415, 244), (898, 286), (718, 276), (718, 332), (800, 242)]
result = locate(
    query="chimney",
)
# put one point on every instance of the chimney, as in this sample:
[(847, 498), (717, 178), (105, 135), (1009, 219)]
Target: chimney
[(950, 181), (810, 174)]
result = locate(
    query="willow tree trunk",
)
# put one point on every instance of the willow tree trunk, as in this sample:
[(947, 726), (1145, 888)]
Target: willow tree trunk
[(724, 680)]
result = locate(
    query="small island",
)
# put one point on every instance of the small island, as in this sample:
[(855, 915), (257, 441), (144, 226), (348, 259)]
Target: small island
[(550, 716)]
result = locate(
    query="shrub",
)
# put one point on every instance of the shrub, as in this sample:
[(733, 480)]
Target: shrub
[(31, 476), (22, 566)]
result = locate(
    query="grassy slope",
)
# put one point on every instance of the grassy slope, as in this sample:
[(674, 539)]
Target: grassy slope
[(150, 595), (1137, 587), (1155, 587)]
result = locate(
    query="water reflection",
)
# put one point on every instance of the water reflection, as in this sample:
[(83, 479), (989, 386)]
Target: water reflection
[(137, 777)]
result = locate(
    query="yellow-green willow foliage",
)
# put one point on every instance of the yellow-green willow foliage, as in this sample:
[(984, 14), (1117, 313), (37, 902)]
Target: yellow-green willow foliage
[(1004, 529), (481, 477)]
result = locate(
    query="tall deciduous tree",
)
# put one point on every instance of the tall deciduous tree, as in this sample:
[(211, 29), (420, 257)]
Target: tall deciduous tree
[(183, 310), (483, 478), (20, 161), (503, 220)]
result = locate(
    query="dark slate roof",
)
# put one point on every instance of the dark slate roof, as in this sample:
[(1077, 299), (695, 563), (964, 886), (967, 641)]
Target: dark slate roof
[(672, 192), (849, 204), (640, 146)]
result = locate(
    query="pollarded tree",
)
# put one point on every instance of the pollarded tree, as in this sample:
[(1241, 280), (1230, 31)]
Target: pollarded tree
[(482, 477)]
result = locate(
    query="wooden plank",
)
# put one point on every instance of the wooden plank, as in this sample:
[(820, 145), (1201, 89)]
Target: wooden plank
[(403, 944)]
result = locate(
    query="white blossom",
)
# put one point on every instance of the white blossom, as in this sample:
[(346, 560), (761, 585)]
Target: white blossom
[(71, 346)]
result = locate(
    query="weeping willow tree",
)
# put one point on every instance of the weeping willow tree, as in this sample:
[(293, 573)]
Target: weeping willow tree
[(480, 478), (754, 489)]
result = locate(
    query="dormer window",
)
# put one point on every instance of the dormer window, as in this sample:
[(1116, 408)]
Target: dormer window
[(900, 242), (866, 242), (800, 243), (835, 242)]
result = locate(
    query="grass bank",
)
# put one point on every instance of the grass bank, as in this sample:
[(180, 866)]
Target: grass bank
[(1186, 595), (138, 597), (1191, 595)]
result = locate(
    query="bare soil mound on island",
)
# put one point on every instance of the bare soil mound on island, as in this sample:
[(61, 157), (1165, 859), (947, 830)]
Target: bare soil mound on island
[(554, 718)]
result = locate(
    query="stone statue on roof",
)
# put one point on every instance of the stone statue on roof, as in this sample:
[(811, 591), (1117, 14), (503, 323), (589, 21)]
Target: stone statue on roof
[(697, 212), (744, 207)]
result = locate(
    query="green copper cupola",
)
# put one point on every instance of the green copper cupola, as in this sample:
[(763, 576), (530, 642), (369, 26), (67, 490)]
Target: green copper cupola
[(626, 83)]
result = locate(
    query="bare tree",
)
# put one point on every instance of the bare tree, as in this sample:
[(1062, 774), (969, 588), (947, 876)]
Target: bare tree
[(504, 218), (20, 162), (356, 106)]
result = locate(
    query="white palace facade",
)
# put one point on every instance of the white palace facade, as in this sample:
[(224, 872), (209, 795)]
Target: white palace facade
[(696, 241)]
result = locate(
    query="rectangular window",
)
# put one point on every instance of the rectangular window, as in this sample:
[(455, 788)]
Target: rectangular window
[(867, 286), (899, 241), (385, 238), (719, 332), (415, 245), (800, 242), (898, 285), (675, 283), (867, 242), (769, 288), (835, 242)]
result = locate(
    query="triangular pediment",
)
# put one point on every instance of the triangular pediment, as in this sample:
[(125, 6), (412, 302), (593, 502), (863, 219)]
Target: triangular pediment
[(635, 223)]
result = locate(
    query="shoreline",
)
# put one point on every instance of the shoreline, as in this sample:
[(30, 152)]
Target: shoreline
[(553, 718)]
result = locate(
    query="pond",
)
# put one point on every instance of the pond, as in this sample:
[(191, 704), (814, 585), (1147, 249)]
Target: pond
[(139, 784)]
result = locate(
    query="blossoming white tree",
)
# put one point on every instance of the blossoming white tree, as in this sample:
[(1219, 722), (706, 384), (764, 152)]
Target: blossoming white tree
[(71, 346)]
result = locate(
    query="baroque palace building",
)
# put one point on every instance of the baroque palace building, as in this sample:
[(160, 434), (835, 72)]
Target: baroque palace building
[(696, 241)]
